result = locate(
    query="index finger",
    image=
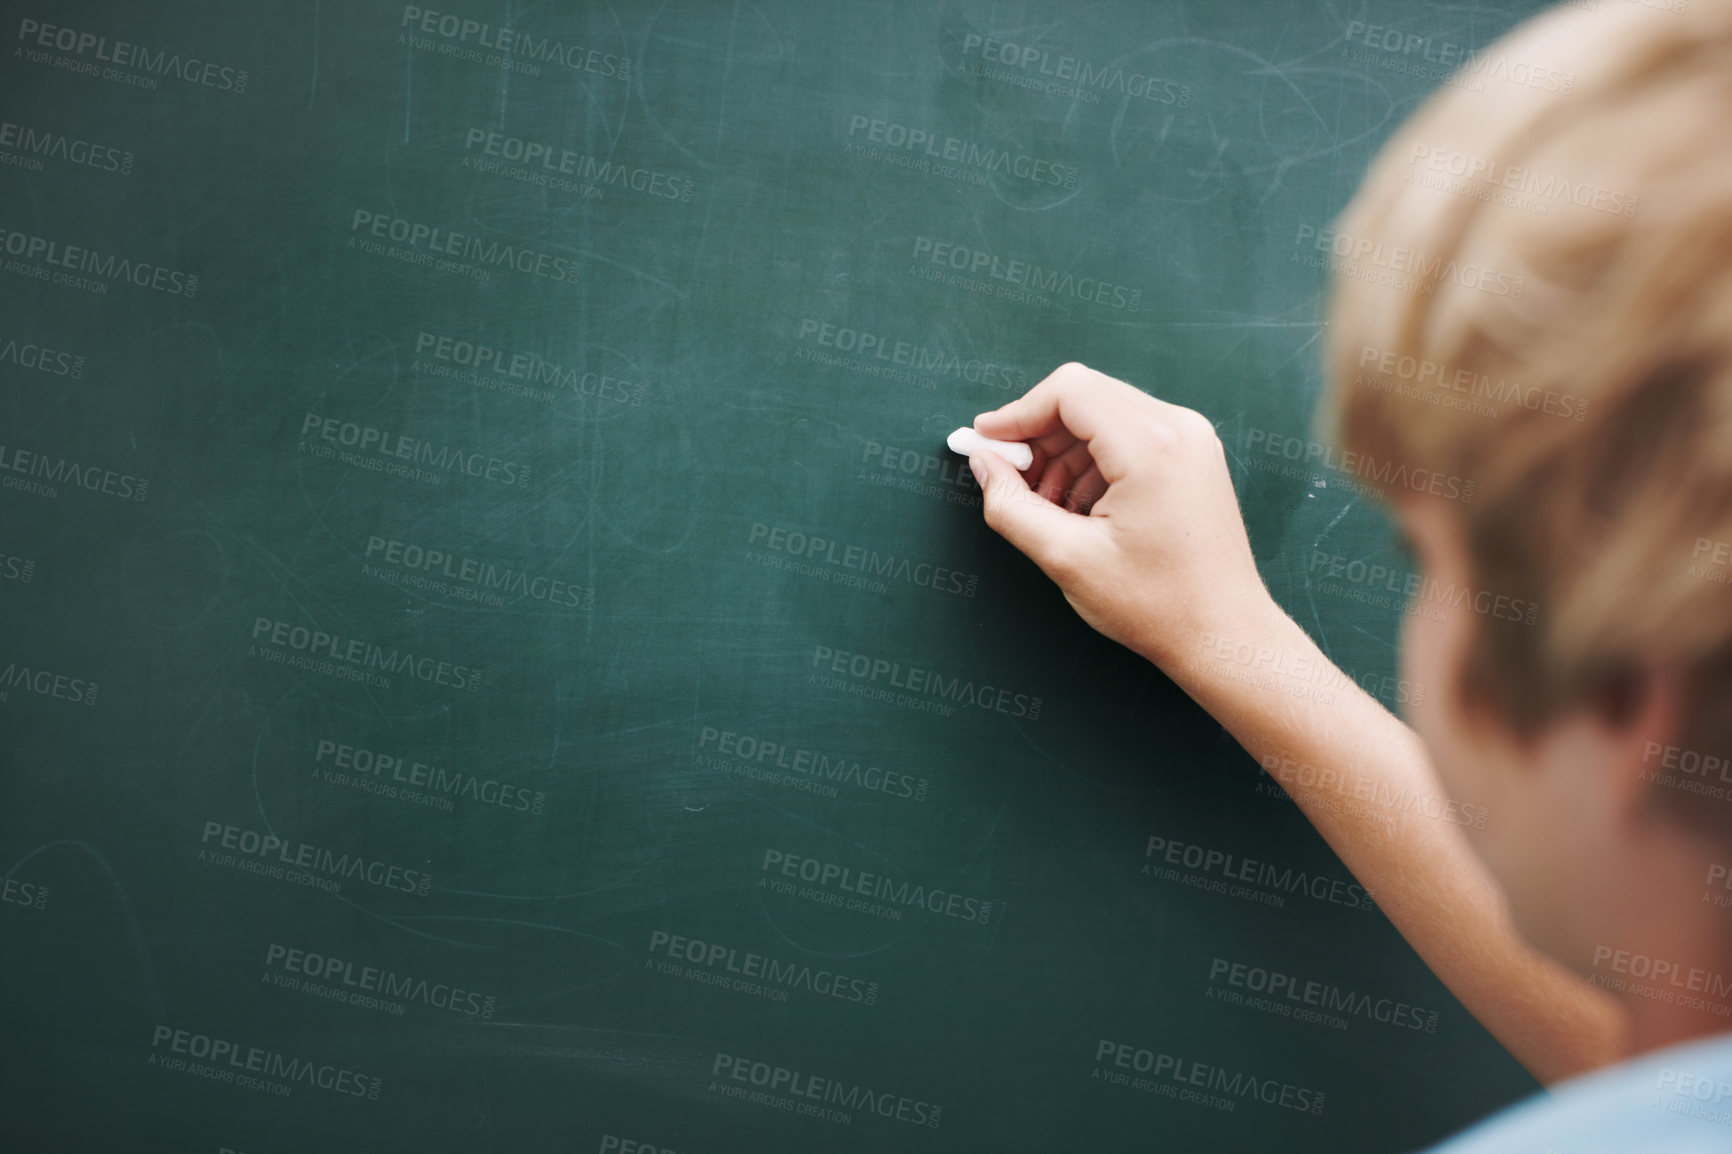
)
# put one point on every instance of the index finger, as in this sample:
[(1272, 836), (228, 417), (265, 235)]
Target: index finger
[(1074, 401), (1041, 411)]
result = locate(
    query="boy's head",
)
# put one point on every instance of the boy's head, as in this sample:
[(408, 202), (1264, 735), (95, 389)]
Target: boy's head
[(1533, 300)]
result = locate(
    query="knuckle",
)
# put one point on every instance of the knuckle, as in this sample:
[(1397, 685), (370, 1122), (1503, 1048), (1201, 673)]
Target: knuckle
[(1164, 435), (1074, 375), (1194, 426)]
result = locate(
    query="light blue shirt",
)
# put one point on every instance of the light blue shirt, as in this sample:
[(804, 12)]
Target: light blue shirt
[(1672, 1101)]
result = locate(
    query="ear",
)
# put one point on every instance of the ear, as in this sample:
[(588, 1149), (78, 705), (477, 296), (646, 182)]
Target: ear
[(1636, 717)]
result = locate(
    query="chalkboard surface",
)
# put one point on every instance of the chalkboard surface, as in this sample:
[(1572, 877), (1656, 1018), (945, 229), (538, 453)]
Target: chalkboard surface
[(496, 657)]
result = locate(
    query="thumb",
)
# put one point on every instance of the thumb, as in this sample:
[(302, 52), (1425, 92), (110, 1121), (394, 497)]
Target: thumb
[(1019, 514)]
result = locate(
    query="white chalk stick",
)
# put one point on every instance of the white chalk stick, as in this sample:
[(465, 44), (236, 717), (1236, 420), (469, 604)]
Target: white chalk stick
[(968, 442)]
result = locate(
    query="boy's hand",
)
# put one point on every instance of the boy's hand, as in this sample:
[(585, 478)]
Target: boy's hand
[(1132, 511)]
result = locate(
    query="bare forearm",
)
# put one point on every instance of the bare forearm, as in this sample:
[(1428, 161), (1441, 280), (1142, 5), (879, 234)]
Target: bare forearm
[(1363, 779), (1156, 563)]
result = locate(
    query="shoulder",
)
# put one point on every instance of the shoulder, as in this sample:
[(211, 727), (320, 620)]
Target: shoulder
[(1677, 1101)]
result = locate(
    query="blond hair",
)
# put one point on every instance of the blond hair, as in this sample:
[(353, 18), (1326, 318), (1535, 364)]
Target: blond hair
[(1560, 335)]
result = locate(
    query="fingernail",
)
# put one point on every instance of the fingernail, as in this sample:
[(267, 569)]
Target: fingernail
[(978, 468)]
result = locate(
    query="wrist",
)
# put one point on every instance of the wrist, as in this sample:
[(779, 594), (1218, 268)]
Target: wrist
[(1217, 632)]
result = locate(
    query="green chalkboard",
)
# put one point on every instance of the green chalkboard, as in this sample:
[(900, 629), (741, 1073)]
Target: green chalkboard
[(494, 655)]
